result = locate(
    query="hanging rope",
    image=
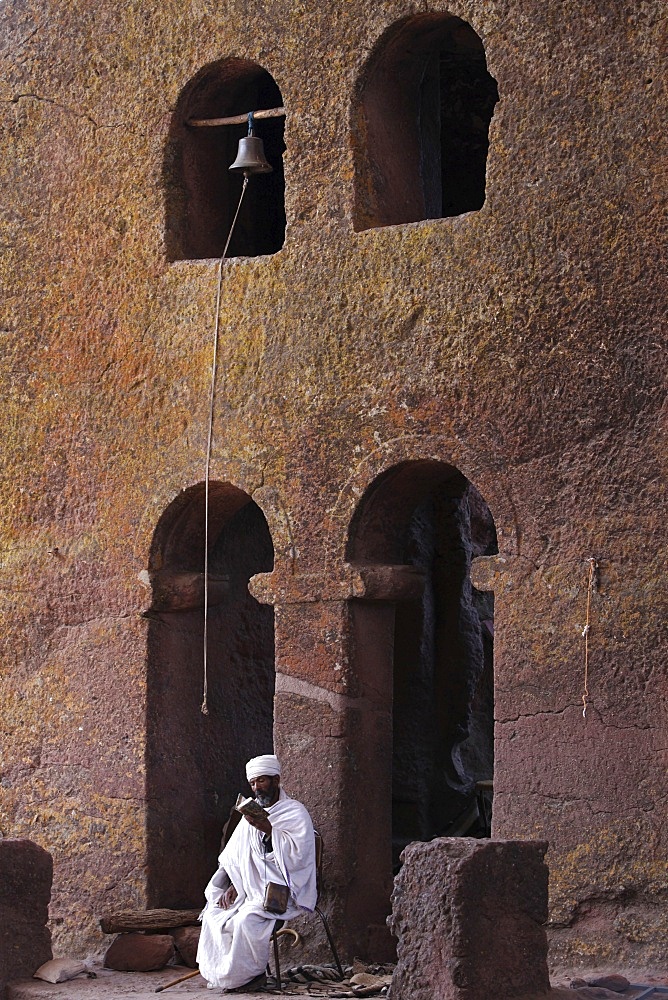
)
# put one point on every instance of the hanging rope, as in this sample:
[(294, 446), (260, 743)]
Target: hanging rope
[(591, 584), (214, 369)]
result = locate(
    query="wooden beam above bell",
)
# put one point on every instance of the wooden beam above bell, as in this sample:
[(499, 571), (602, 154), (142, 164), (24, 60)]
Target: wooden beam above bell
[(235, 119)]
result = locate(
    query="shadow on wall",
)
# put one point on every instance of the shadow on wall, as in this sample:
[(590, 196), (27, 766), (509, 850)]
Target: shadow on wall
[(421, 123), (201, 195), (26, 874), (195, 762)]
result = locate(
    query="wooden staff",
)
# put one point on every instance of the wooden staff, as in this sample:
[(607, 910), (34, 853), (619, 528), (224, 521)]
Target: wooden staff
[(182, 979)]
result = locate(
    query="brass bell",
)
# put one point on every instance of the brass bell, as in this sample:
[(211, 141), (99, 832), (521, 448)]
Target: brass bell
[(250, 155)]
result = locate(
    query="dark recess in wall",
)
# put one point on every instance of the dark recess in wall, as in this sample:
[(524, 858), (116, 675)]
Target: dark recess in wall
[(424, 663), (421, 116), (201, 195)]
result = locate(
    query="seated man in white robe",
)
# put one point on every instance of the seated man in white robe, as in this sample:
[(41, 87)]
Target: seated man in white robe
[(236, 929)]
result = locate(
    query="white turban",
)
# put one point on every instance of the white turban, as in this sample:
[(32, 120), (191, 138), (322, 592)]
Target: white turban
[(267, 764)]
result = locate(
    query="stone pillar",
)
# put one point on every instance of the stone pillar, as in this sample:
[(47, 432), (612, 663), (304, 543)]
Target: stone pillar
[(333, 731), (26, 871), (469, 917)]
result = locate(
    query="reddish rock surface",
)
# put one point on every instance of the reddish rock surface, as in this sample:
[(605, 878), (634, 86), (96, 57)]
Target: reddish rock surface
[(142, 986), (25, 889), (186, 940), (380, 392), (469, 916), (139, 952)]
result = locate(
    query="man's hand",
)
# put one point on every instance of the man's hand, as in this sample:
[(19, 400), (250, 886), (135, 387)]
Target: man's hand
[(260, 824), (228, 898)]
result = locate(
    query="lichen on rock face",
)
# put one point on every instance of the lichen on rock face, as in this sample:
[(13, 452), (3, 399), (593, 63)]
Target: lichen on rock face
[(518, 344)]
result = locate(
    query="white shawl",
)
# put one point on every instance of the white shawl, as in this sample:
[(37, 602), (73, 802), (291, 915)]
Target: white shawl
[(292, 861), (234, 943)]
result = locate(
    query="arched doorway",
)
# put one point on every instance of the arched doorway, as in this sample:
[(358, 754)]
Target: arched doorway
[(195, 762), (423, 651)]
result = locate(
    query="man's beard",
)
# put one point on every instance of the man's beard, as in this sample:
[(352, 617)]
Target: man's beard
[(264, 800)]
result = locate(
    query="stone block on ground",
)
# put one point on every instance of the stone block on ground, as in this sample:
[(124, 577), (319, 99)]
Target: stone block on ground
[(140, 952), (186, 940), (469, 916), (616, 983), (25, 890)]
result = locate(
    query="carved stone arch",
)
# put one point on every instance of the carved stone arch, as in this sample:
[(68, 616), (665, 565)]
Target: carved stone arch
[(477, 465), (201, 195), (195, 761), (275, 509)]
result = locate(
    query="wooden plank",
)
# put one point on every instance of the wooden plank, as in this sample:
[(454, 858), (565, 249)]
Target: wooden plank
[(236, 119), (147, 920)]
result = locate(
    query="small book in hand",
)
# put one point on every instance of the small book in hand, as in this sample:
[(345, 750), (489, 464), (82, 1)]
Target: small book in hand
[(249, 807)]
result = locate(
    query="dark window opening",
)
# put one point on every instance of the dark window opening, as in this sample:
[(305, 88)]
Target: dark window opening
[(423, 112), (195, 762), (201, 195)]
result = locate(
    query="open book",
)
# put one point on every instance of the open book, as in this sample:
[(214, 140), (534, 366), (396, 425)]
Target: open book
[(249, 807)]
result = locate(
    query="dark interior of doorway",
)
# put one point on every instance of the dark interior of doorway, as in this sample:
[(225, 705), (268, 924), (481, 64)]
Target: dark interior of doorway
[(195, 762), (428, 515)]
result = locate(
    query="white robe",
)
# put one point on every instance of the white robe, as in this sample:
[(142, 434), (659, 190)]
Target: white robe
[(234, 944)]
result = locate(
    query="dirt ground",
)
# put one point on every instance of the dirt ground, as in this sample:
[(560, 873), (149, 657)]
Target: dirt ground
[(142, 986), (108, 985)]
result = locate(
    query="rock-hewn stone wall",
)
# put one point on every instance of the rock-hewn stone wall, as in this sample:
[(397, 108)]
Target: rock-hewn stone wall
[(519, 345)]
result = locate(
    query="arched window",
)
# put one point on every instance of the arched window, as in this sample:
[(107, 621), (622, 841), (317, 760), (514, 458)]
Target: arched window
[(201, 194), (421, 123)]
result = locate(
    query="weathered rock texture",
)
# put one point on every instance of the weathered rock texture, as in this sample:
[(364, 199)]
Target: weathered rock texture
[(139, 952), (469, 916), (386, 395), (25, 889), (186, 940)]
